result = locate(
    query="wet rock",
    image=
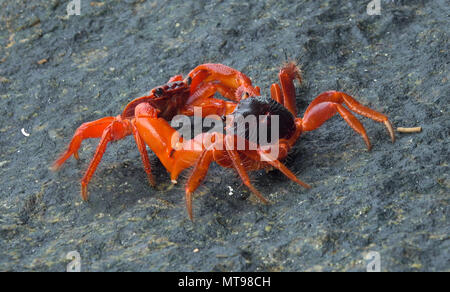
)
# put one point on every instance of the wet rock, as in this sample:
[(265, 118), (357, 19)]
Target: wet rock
[(392, 200)]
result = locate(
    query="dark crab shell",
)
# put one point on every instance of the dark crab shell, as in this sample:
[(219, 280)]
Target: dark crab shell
[(263, 108)]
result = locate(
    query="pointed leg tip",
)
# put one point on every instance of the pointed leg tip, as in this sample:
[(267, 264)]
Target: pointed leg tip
[(266, 201), (62, 159), (367, 141), (189, 205), (84, 193), (57, 163), (303, 184), (390, 129), (263, 199), (151, 181), (260, 196), (256, 193)]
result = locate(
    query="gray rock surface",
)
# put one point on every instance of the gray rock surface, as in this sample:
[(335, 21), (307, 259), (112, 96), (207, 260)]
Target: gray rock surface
[(57, 72)]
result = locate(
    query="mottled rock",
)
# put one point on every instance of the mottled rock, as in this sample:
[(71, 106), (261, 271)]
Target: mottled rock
[(392, 200)]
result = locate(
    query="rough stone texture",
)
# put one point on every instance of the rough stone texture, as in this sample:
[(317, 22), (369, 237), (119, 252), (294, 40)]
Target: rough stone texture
[(393, 200)]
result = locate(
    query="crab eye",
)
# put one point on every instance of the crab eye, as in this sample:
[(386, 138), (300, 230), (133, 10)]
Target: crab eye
[(158, 91), (188, 80), (245, 94)]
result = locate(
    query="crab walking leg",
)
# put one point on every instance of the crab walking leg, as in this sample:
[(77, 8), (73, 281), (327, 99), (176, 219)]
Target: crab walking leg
[(239, 167), (101, 148), (263, 156), (109, 129), (229, 77), (197, 176), (342, 98), (87, 130), (275, 93), (206, 90), (321, 112), (281, 167), (144, 155), (353, 122), (287, 75), (117, 130), (210, 106), (203, 97)]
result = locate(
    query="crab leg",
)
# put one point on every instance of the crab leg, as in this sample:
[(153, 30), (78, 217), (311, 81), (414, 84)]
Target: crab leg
[(281, 167), (325, 110), (228, 77), (237, 163), (203, 97), (197, 176), (144, 155), (202, 165), (328, 103), (116, 130), (87, 130), (286, 93), (210, 106), (101, 148), (108, 129), (276, 94), (208, 89)]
